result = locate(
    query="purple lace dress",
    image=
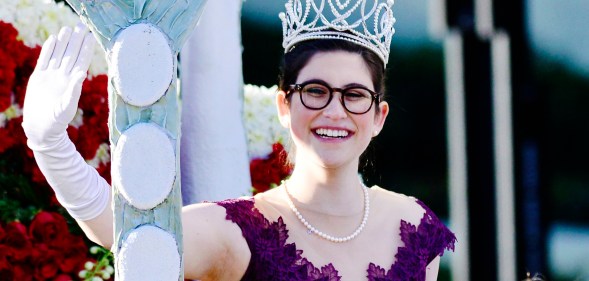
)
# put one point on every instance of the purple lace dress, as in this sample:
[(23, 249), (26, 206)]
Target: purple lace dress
[(273, 259)]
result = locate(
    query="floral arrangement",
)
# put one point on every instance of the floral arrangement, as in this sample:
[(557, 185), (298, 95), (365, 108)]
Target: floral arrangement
[(38, 239), (45, 250), (265, 138), (35, 20)]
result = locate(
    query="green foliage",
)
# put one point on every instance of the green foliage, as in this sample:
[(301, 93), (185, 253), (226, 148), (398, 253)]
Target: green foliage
[(101, 269), (18, 201), (565, 138), (11, 210)]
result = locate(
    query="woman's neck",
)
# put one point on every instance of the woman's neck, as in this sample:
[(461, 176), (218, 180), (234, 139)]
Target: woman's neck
[(329, 191)]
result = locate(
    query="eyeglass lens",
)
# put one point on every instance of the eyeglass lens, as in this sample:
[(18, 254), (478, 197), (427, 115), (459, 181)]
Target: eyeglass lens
[(355, 99)]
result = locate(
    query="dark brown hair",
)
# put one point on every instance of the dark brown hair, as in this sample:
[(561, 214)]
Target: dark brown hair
[(300, 54)]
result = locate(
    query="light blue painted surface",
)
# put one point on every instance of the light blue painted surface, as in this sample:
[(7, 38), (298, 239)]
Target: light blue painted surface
[(176, 19)]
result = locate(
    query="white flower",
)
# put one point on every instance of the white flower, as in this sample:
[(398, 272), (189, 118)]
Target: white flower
[(13, 111), (8, 11), (78, 119), (262, 126), (35, 20), (102, 156), (109, 269), (89, 265), (83, 273), (2, 120), (94, 250)]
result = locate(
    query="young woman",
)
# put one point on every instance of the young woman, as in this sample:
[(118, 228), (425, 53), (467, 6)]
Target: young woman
[(322, 223)]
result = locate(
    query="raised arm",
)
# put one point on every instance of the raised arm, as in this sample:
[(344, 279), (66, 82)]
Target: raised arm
[(213, 247), (50, 105)]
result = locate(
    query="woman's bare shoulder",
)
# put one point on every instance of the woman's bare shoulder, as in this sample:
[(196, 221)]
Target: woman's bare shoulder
[(195, 217), (392, 202), (208, 233)]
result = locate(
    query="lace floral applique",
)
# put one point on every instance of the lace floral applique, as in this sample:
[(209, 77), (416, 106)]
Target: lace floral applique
[(273, 259), (422, 245)]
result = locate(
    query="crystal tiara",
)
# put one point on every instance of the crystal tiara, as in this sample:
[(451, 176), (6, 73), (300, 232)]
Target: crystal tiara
[(369, 23)]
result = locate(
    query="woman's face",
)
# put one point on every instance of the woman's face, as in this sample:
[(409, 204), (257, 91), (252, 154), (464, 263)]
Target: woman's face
[(331, 137)]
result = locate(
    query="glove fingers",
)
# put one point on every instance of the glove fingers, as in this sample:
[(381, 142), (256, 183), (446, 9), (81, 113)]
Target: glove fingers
[(73, 47), (46, 52), (86, 52), (62, 40)]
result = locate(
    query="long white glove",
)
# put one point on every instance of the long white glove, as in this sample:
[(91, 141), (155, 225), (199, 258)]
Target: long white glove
[(50, 105)]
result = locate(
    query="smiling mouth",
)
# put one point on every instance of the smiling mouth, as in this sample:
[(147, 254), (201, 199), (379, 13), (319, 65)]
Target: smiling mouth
[(329, 133)]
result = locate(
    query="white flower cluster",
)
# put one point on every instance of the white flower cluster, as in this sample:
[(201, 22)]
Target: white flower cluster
[(35, 20), (96, 271), (11, 112), (261, 121), (102, 156)]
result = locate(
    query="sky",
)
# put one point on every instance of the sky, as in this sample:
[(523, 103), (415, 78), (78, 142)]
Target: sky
[(557, 29)]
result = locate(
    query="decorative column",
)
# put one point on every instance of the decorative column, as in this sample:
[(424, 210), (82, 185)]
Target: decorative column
[(215, 163), (142, 39)]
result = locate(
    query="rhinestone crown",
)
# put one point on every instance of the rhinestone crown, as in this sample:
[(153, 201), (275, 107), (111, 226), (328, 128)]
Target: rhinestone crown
[(369, 23)]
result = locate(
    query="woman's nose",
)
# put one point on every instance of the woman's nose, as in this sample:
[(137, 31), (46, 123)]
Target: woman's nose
[(335, 109)]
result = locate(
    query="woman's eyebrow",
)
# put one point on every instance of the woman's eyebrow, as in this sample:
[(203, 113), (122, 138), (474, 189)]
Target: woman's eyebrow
[(315, 80), (349, 85)]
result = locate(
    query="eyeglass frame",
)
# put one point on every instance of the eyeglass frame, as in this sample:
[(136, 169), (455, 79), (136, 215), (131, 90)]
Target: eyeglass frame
[(299, 87)]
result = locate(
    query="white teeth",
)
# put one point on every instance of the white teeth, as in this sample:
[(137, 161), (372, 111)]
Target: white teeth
[(332, 133)]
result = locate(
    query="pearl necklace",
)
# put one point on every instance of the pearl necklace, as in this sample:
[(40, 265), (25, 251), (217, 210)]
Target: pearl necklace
[(312, 229)]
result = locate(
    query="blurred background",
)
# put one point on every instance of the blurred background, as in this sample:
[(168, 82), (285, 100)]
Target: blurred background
[(550, 94)]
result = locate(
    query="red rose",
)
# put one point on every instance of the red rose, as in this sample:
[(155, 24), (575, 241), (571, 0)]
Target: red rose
[(88, 142), (18, 242), (6, 140), (37, 175), (63, 277), (5, 265), (7, 67), (2, 234), (104, 170), (94, 104), (14, 126), (8, 40), (24, 71), (74, 255), (271, 170), (17, 62), (23, 271), (72, 133), (45, 262), (49, 228)]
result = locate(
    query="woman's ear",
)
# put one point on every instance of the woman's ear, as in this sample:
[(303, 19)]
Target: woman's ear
[(283, 109), (381, 117)]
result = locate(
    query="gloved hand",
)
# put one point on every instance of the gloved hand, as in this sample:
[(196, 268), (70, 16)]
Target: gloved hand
[(51, 103), (54, 87)]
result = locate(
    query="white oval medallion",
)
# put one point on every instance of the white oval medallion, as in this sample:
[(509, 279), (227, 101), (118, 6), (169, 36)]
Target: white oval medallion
[(141, 64), (144, 165), (149, 253)]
